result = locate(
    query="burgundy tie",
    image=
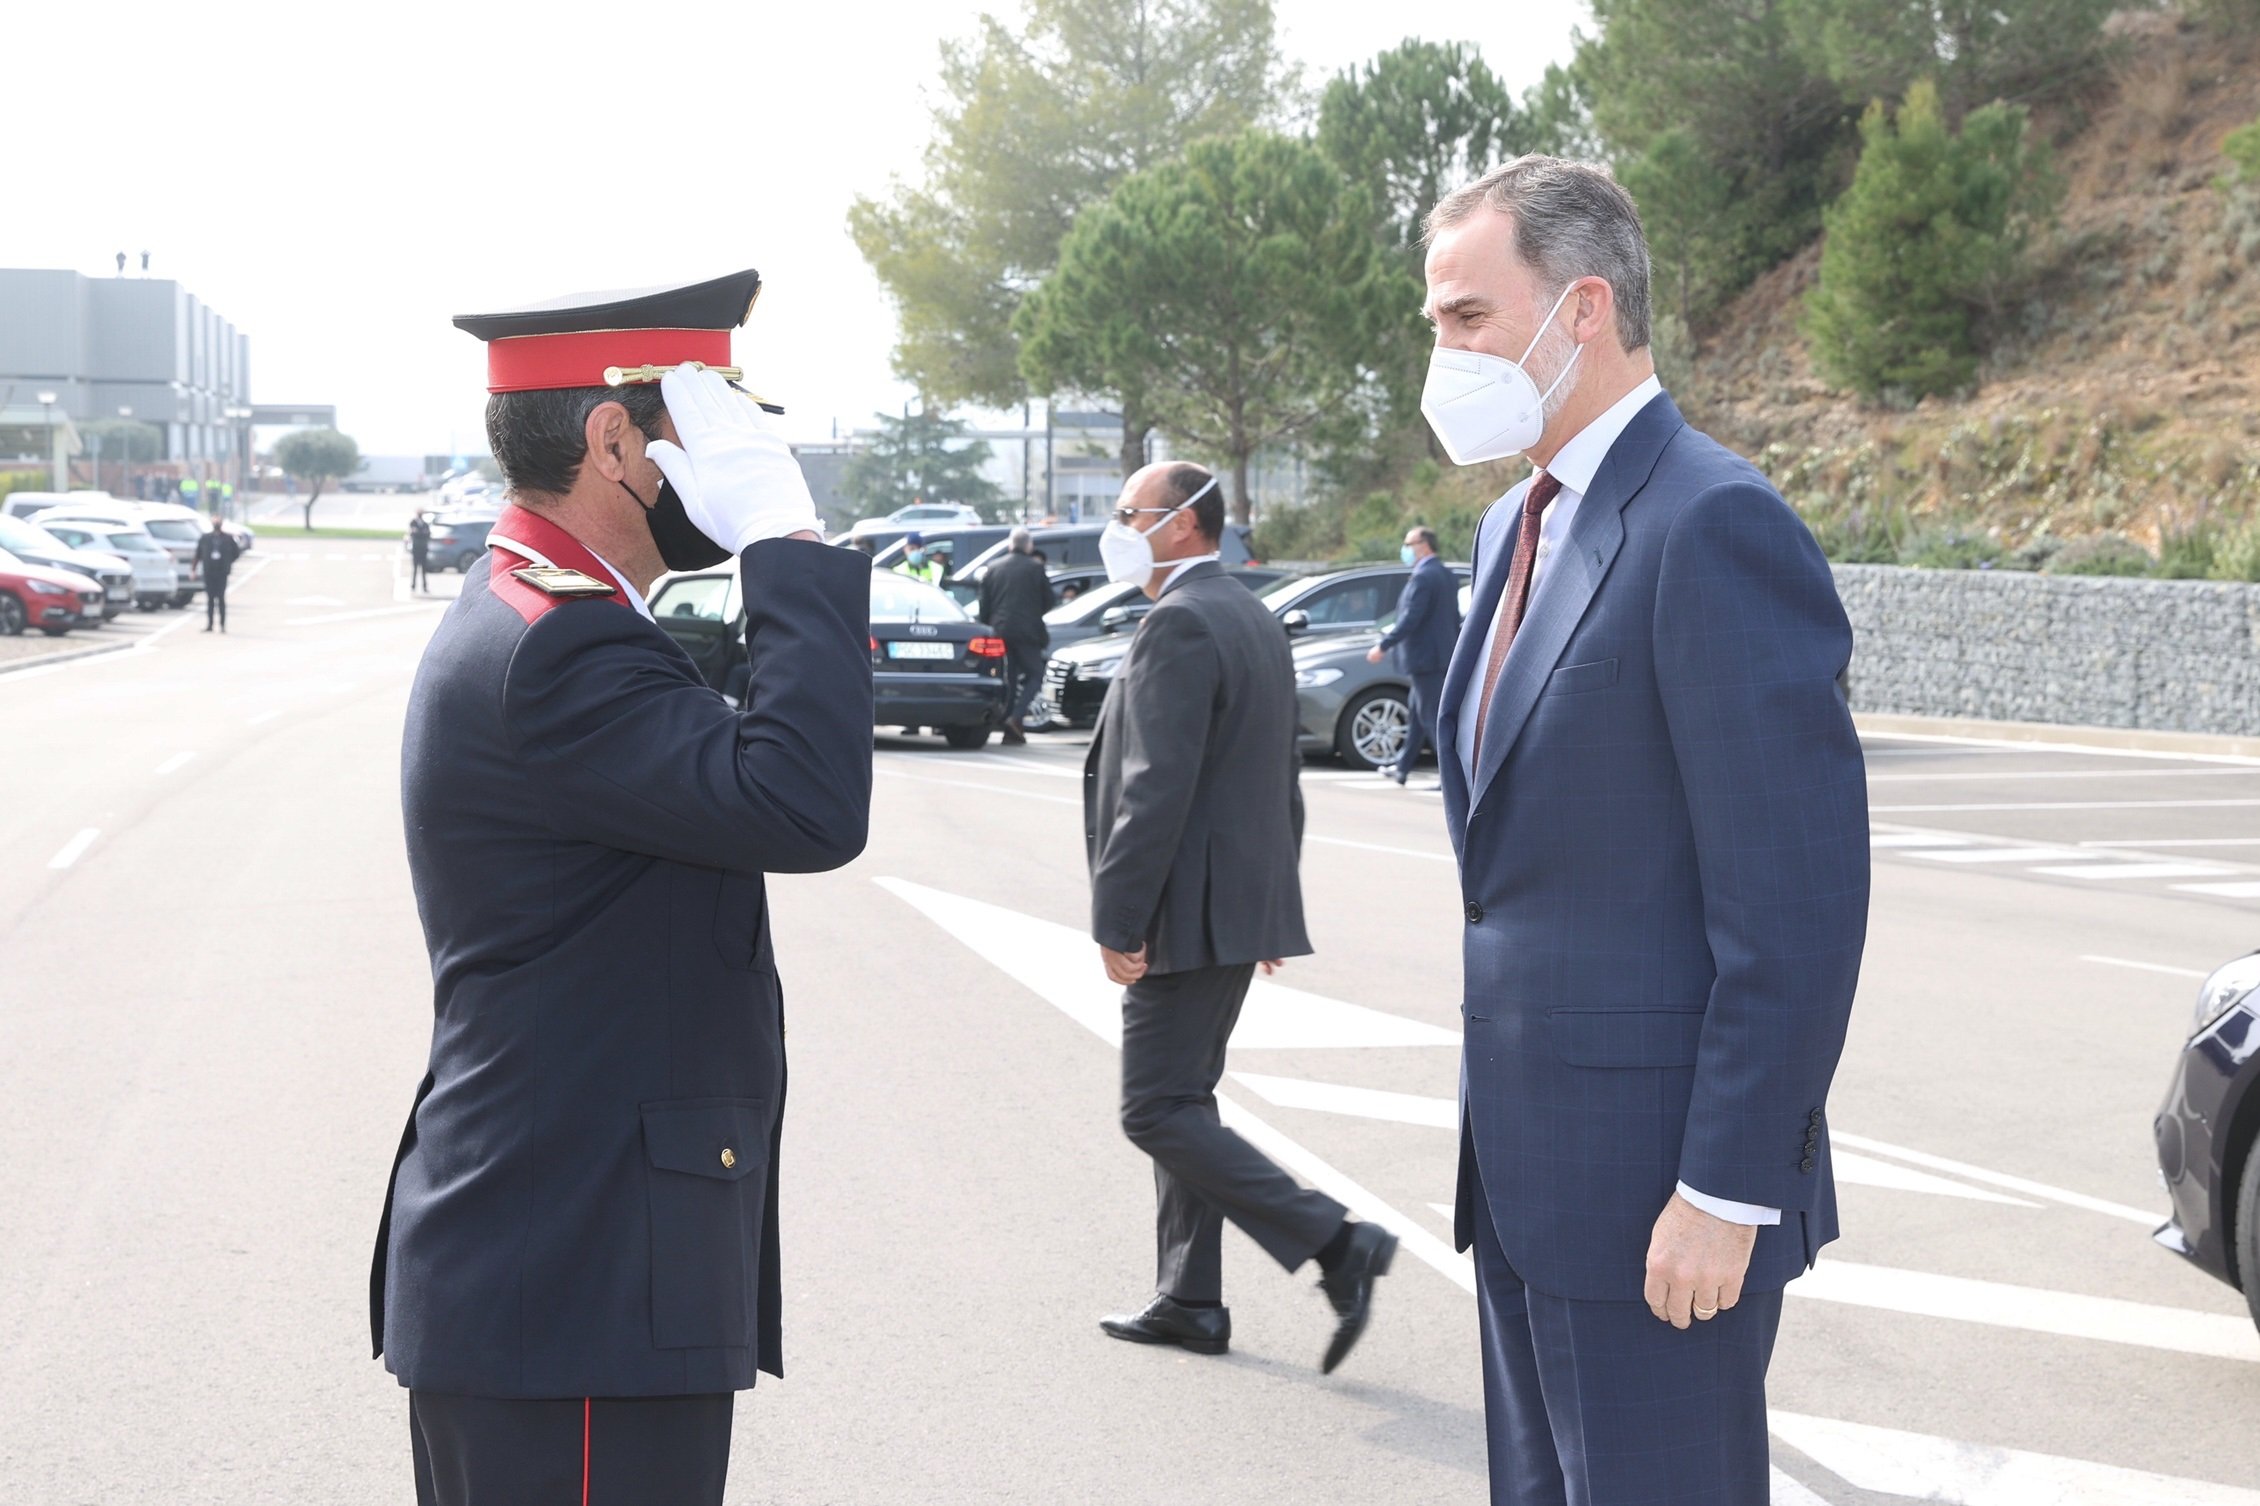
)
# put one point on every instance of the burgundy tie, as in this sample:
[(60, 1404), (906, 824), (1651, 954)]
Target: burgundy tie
[(1543, 490)]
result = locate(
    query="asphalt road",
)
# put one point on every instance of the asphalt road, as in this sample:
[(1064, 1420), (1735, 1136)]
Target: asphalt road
[(216, 1008)]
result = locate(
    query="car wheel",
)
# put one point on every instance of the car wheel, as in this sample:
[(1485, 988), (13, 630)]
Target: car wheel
[(1373, 728), (12, 616), (2248, 1230), (54, 632), (966, 739)]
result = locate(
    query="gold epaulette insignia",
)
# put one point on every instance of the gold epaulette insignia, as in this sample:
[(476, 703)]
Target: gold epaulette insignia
[(556, 580)]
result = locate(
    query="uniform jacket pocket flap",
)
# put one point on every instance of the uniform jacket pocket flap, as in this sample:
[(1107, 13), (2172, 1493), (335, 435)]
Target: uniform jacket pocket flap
[(1570, 679), (724, 1138), (1626, 1037)]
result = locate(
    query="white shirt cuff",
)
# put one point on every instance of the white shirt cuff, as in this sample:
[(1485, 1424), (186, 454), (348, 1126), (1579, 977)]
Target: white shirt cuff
[(1733, 1213)]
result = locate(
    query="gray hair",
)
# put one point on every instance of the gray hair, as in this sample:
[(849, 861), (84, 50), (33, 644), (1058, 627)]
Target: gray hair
[(1571, 220), (1022, 541)]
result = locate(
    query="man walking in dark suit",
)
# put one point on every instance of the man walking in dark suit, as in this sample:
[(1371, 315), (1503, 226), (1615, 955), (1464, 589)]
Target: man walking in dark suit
[(577, 1263), (1015, 595), (216, 551), (1427, 625), (1193, 818), (1660, 811), (419, 552)]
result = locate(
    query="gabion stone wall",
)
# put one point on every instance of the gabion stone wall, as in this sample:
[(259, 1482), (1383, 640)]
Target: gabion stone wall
[(2097, 651)]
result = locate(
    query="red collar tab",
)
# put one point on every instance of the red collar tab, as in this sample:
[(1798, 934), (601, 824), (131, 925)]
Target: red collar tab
[(539, 363), (531, 529)]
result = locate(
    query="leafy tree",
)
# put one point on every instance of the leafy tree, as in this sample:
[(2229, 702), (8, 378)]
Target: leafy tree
[(1235, 288), (316, 456), (1033, 126), (1925, 246), (1729, 76), (1414, 124), (919, 457), (1975, 50), (1687, 208)]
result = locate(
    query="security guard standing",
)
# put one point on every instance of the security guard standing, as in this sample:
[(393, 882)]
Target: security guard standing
[(577, 1265), (919, 562)]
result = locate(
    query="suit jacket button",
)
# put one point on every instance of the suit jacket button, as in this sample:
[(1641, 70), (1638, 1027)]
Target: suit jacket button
[(1806, 1164), (730, 1158), (1474, 913)]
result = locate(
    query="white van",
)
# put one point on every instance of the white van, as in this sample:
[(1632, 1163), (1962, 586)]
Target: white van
[(25, 504)]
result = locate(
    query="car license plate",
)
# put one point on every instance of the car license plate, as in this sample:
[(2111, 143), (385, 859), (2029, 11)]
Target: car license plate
[(921, 650)]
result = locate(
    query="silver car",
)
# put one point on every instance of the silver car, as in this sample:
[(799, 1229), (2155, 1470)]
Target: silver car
[(1359, 711), (155, 582)]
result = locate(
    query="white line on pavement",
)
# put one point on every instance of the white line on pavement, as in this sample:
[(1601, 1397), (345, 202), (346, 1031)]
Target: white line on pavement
[(2024, 1185), (2013, 745), (1866, 1171), (2002, 855), (2147, 967), (2022, 775), (1887, 1461), (262, 718), (2181, 842), (2079, 805), (177, 762), (1402, 852), (1911, 839), (1358, 1103), (2225, 891), (2091, 869), (1997, 1304), (1785, 1491), (75, 848)]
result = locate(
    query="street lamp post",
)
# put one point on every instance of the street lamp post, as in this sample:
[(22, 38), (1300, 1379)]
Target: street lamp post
[(55, 477), (125, 445), (242, 420)]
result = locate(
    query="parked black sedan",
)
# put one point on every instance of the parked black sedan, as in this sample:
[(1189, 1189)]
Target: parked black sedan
[(932, 666), (2209, 1134), (1089, 637)]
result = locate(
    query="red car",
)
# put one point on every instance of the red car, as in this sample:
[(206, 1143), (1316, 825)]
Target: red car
[(53, 601)]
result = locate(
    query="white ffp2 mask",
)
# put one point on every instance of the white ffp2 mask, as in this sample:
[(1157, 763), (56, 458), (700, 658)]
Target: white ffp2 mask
[(1486, 407)]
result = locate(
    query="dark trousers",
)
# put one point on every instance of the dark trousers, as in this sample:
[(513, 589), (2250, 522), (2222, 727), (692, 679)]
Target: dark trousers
[(216, 599), (1023, 676), (605, 1451), (1605, 1404), (1427, 695), (419, 572), (1174, 1030)]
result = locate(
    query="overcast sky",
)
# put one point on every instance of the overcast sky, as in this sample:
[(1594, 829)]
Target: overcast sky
[(339, 180)]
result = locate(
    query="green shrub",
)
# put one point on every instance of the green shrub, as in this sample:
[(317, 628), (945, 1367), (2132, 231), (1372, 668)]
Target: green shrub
[(2188, 552), (2102, 554), (1947, 548), (2242, 148), (2237, 557)]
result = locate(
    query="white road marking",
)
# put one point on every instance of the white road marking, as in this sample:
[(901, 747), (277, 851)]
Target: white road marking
[(75, 848), (2021, 775), (2089, 749), (1401, 852), (2147, 967), (1997, 1304), (1007, 940), (2003, 855), (1911, 839), (2094, 870), (1866, 1171), (2182, 842), (968, 784), (1061, 964), (1358, 1103), (177, 762), (1965, 1170), (2226, 891), (1915, 1465), (1784, 1491), (2077, 805), (262, 718)]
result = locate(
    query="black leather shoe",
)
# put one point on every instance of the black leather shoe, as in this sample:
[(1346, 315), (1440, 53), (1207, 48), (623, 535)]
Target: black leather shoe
[(1349, 1287), (1203, 1330)]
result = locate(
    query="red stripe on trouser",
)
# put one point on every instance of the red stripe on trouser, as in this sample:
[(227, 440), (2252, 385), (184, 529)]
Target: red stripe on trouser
[(585, 1403)]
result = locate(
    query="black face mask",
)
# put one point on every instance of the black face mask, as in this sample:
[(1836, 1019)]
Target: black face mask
[(681, 545)]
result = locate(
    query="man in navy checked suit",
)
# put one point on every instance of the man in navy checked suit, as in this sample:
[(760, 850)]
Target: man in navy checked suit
[(577, 1264), (1659, 806)]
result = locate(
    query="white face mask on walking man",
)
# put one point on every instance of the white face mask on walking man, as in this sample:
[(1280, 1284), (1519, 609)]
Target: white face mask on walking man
[(1485, 407), (1125, 548)]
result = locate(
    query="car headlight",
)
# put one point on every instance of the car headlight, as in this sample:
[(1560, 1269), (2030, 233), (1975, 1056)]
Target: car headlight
[(1311, 679), (1100, 671), (47, 588), (2220, 993)]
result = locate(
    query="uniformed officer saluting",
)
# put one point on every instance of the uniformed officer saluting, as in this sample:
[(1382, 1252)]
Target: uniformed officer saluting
[(577, 1265)]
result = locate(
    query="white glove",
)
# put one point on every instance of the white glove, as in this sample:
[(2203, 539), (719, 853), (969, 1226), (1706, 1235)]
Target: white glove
[(738, 479)]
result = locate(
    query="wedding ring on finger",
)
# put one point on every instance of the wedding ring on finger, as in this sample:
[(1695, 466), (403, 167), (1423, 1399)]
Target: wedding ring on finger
[(1704, 1315)]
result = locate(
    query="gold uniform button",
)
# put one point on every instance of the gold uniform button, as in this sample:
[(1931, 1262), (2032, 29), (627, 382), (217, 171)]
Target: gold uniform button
[(729, 1158)]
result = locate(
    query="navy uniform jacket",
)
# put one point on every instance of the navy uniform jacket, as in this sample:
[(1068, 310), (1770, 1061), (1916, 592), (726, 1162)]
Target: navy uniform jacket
[(585, 1198), (1428, 619), (1664, 867)]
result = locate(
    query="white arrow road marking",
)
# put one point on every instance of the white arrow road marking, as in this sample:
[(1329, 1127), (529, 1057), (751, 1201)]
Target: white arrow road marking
[(2226, 891), (1062, 965), (75, 848), (2000, 1305), (1869, 1172), (1359, 1103), (1787, 1492), (1890, 1462), (2041, 1190), (177, 762)]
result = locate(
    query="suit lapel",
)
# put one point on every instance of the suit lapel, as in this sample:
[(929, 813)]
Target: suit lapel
[(1573, 575)]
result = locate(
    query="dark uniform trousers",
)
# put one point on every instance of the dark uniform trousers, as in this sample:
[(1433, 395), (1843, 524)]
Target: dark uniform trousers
[(216, 597), (1174, 1030), (571, 1451), (1420, 729)]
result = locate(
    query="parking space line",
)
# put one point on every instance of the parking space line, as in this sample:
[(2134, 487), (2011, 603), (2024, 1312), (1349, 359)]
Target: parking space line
[(2025, 774), (2225, 891), (2180, 842), (175, 763), (1916, 1466), (2092, 869), (75, 848), (2146, 967), (2013, 745), (1912, 839), (2004, 855), (2078, 805), (2043, 1190)]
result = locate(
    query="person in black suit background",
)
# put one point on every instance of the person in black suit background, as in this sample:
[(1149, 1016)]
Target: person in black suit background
[(1015, 595), (577, 1264), (419, 552), (1193, 821), (1423, 636), (216, 554)]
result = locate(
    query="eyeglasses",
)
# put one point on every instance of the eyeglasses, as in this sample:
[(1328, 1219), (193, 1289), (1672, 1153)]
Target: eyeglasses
[(1125, 514)]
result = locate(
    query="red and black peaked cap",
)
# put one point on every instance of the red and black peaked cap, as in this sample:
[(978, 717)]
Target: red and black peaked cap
[(606, 339)]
